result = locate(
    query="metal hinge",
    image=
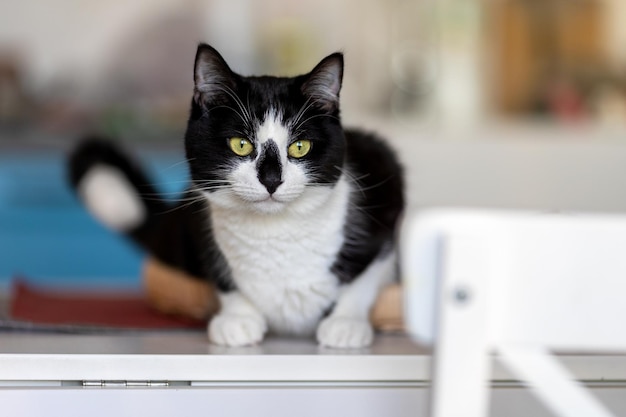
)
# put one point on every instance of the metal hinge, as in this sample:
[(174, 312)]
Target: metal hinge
[(125, 384)]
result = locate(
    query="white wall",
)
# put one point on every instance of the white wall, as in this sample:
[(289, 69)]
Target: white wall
[(71, 38), (77, 40)]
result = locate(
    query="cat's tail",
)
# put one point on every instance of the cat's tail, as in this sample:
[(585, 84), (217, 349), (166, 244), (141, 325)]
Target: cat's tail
[(116, 191), (112, 186)]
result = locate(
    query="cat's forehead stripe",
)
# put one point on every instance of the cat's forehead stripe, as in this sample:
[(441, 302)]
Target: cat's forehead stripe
[(273, 128)]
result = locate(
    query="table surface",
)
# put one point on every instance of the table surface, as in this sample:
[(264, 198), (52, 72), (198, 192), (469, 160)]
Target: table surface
[(188, 356)]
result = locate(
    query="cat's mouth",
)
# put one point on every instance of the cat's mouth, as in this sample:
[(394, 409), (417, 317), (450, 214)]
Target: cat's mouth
[(269, 204), (265, 202), (271, 197)]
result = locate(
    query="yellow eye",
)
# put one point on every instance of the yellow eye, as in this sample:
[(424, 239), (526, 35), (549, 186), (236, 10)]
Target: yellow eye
[(241, 146), (299, 148)]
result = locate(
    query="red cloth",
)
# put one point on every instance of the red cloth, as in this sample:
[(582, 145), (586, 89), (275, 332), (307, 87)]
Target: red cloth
[(92, 308)]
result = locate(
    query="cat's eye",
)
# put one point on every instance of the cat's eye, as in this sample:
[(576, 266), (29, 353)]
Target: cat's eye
[(241, 146), (299, 148)]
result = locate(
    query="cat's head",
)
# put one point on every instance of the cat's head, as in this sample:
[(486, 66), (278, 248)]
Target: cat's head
[(265, 144)]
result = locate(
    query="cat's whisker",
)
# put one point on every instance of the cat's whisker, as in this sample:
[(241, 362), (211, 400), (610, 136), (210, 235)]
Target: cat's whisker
[(173, 197), (371, 187), (316, 184), (223, 181), (300, 124), (250, 113), (179, 207), (306, 106), (212, 189), (356, 180), (361, 189), (372, 207), (200, 187), (163, 194), (168, 200), (237, 100), (182, 200), (330, 116), (352, 179), (158, 183), (179, 163), (243, 113), (241, 116), (186, 202), (368, 215), (243, 108), (211, 182)]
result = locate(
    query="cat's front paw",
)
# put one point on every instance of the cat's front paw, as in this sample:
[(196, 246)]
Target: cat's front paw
[(236, 330), (345, 332)]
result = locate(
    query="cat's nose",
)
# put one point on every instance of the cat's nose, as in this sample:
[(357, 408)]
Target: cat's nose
[(271, 184), (269, 167)]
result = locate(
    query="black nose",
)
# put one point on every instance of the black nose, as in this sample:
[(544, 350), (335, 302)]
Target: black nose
[(269, 168), (271, 184)]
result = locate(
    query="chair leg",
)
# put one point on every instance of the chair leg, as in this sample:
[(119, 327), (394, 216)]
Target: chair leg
[(551, 382), (462, 363)]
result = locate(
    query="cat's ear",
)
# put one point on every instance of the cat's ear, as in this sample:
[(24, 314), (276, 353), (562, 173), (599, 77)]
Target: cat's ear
[(324, 83), (211, 75)]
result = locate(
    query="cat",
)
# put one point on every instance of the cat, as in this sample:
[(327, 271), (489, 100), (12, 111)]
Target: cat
[(292, 217)]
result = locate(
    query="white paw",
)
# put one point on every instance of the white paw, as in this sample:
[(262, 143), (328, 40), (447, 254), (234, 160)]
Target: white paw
[(343, 332), (236, 330)]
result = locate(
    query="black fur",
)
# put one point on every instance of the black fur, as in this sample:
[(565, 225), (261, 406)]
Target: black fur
[(375, 208), (181, 236), (178, 235)]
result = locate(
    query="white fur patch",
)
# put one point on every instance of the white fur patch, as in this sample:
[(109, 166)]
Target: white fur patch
[(238, 322), (345, 332), (348, 325), (281, 248), (111, 199), (273, 128), (281, 263)]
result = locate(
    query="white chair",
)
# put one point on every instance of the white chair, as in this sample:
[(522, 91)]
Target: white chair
[(517, 285)]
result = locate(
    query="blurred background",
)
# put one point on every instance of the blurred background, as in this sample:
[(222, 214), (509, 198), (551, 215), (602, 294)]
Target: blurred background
[(507, 103)]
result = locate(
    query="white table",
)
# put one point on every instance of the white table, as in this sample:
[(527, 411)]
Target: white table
[(181, 373)]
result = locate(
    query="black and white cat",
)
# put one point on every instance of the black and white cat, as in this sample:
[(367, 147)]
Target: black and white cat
[(291, 216)]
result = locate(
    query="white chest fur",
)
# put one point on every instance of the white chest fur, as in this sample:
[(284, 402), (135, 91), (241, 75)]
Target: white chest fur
[(282, 262)]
